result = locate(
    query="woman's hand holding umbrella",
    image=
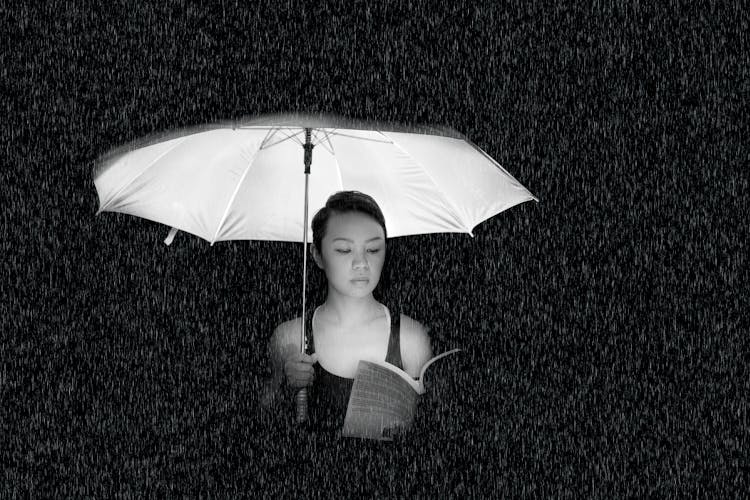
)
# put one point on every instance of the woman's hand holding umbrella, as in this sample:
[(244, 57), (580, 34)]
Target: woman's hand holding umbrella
[(298, 368), (298, 372)]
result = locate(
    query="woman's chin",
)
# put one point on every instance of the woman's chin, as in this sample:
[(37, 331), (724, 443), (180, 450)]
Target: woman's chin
[(359, 292), (356, 291)]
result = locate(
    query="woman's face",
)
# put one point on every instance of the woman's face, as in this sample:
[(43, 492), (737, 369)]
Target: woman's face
[(352, 253)]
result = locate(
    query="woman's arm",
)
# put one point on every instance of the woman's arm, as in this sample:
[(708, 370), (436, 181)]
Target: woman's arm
[(416, 349), (274, 350), (287, 363)]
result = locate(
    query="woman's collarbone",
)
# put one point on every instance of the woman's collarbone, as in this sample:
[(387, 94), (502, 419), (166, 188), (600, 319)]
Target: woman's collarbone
[(340, 351)]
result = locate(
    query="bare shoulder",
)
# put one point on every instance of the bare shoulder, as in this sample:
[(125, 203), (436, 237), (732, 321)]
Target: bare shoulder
[(411, 329), (281, 341), (287, 327), (416, 348), (286, 333)]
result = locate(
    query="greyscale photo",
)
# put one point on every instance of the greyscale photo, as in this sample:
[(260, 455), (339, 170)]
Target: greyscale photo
[(357, 249)]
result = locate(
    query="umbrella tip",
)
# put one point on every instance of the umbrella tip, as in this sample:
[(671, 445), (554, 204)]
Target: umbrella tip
[(170, 237)]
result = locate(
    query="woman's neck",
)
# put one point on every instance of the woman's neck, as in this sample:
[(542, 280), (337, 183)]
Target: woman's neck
[(345, 311)]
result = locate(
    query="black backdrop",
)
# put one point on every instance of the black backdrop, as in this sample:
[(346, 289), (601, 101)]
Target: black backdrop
[(605, 347)]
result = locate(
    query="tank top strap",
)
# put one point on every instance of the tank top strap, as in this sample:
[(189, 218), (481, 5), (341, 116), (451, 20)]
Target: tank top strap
[(309, 337), (393, 355)]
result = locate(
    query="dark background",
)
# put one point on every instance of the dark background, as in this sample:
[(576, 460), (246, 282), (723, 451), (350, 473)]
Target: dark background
[(605, 343)]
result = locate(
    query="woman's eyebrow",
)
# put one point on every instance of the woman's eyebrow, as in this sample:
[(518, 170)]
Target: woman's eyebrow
[(352, 241)]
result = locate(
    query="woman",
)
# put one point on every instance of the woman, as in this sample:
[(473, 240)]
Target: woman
[(349, 245)]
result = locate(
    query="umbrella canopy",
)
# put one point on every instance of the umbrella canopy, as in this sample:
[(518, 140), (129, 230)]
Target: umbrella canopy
[(243, 181)]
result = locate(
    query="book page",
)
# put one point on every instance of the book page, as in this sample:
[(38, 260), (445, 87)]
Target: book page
[(381, 401), (424, 368), (417, 385)]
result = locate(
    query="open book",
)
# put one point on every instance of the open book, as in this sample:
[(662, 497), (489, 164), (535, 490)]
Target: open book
[(383, 399)]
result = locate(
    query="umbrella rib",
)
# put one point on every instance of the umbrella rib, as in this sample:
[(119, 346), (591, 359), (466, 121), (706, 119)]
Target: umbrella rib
[(288, 137), (271, 132), (332, 131), (327, 139), (360, 138), (234, 195), (338, 170), (498, 166), (332, 150), (438, 190), (151, 164)]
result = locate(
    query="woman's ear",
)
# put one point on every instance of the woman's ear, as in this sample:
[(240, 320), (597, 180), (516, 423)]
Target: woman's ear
[(316, 255)]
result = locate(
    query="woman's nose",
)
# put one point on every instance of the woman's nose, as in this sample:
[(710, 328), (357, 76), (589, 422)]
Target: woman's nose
[(360, 261)]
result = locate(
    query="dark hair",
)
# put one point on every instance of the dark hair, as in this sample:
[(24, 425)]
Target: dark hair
[(342, 202)]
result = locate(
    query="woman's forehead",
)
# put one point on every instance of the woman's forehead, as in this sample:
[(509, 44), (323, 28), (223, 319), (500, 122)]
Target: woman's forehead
[(354, 226)]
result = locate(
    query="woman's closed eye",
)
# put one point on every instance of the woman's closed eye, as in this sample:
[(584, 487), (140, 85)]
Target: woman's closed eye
[(347, 250)]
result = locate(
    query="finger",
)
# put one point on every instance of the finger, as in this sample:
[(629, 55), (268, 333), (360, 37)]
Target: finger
[(306, 369), (296, 368), (300, 365), (302, 380), (292, 352), (310, 358)]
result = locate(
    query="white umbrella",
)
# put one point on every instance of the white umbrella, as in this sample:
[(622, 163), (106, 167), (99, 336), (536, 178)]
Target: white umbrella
[(243, 181)]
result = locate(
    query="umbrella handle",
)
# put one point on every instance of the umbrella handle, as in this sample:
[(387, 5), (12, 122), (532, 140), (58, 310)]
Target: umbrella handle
[(301, 400)]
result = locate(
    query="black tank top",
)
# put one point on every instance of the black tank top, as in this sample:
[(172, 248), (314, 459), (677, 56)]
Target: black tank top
[(329, 394)]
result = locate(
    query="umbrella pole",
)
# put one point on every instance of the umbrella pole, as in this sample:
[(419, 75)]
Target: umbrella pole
[(301, 397)]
